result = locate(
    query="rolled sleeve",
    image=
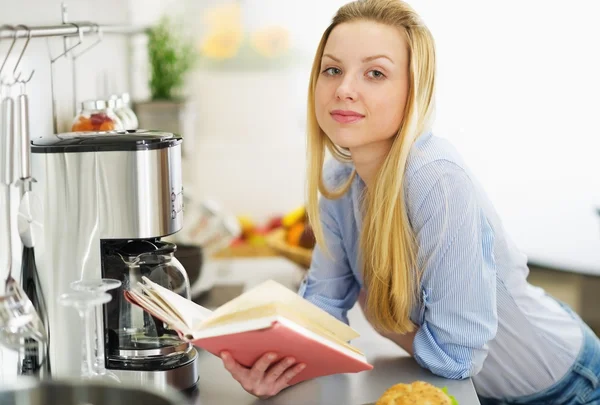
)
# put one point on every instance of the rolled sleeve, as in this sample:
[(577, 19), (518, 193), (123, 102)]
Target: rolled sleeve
[(458, 316), (330, 283)]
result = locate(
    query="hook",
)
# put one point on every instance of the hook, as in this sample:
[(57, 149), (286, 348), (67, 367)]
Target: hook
[(9, 49), (80, 33), (15, 76), (98, 40)]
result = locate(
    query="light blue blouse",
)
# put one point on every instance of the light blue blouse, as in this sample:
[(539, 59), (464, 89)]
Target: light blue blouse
[(478, 317)]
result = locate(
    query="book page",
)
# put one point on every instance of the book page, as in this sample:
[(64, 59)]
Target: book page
[(273, 292), (186, 310), (155, 310), (273, 310)]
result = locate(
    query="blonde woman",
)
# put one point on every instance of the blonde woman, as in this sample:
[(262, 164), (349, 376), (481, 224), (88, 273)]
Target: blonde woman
[(403, 227)]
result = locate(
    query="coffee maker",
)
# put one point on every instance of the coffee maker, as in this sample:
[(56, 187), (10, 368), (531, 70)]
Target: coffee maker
[(106, 200)]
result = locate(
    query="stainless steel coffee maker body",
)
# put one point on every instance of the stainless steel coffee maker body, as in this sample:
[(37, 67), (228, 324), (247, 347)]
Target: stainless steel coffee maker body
[(97, 189)]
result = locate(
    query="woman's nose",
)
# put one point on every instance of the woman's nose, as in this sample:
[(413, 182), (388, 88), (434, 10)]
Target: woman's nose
[(346, 90)]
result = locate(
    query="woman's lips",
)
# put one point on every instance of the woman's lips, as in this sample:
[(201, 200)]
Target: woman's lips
[(346, 116)]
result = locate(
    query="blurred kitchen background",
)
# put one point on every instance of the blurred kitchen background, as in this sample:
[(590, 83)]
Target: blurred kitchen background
[(517, 94)]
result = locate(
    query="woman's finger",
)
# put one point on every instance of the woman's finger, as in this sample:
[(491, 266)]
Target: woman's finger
[(260, 366), (284, 380), (236, 369), (278, 369)]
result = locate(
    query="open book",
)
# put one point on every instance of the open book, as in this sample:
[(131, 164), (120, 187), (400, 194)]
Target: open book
[(267, 318)]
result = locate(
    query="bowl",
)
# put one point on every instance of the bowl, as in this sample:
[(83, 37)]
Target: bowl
[(191, 258), (77, 392)]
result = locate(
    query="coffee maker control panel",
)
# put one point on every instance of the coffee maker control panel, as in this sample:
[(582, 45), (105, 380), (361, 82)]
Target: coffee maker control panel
[(176, 202)]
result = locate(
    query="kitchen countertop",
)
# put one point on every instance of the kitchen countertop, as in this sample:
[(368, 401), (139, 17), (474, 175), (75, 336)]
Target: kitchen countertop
[(391, 364)]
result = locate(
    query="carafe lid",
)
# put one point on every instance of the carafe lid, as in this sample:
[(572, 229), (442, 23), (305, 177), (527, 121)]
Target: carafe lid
[(140, 249), (131, 140)]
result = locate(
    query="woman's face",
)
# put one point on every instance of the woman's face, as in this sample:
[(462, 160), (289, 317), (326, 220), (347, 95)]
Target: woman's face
[(363, 85)]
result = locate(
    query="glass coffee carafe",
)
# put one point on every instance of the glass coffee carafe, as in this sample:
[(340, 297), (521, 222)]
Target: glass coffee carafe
[(135, 339)]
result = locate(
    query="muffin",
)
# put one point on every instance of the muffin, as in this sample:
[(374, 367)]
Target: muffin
[(417, 393)]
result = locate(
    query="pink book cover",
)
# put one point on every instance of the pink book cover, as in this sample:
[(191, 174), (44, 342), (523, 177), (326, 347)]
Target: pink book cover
[(320, 359), (248, 341)]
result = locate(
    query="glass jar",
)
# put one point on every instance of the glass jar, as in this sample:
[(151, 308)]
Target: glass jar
[(97, 115), (122, 114), (129, 111)]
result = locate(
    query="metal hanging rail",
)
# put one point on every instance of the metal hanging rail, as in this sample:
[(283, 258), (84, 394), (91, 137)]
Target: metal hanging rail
[(65, 30), (69, 29)]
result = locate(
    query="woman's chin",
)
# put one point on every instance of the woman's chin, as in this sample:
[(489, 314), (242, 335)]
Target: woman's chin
[(344, 142)]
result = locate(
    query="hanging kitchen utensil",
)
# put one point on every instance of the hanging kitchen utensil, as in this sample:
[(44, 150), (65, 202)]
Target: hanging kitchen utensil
[(30, 207), (29, 222), (33, 328)]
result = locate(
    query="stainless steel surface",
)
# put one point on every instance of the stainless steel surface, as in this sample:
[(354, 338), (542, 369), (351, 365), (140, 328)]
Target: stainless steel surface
[(30, 206), (88, 197), (163, 351), (391, 364), (46, 392), (70, 30), (110, 195), (8, 106), (180, 378), (29, 218), (25, 139)]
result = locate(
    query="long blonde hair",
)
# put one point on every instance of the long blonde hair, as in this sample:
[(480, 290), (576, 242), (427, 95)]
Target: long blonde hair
[(388, 248)]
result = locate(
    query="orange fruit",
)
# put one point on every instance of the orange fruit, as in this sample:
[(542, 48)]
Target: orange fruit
[(294, 234)]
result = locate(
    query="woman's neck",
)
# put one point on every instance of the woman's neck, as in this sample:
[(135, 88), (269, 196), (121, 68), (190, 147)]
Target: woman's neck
[(368, 159)]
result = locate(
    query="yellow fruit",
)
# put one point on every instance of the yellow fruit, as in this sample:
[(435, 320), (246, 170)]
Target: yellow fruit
[(293, 217), (257, 240), (247, 226)]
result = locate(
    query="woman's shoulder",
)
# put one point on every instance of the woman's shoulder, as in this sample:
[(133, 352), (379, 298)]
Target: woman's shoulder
[(431, 160), (432, 157)]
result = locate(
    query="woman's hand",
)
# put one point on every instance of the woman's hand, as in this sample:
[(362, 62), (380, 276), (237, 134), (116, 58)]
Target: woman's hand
[(267, 376)]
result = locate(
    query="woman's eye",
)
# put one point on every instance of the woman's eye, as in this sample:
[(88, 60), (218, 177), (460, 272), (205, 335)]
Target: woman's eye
[(376, 74), (332, 71)]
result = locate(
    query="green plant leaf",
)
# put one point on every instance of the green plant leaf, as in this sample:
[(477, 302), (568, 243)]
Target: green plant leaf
[(171, 57)]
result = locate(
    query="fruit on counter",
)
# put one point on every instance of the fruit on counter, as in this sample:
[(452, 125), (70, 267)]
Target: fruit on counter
[(247, 225), (300, 234), (253, 233), (274, 223), (95, 122), (307, 239), (293, 217), (294, 233), (295, 223), (297, 229)]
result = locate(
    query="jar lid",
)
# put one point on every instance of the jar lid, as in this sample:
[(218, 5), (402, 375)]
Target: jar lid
[(126, 98), (94, 105)]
